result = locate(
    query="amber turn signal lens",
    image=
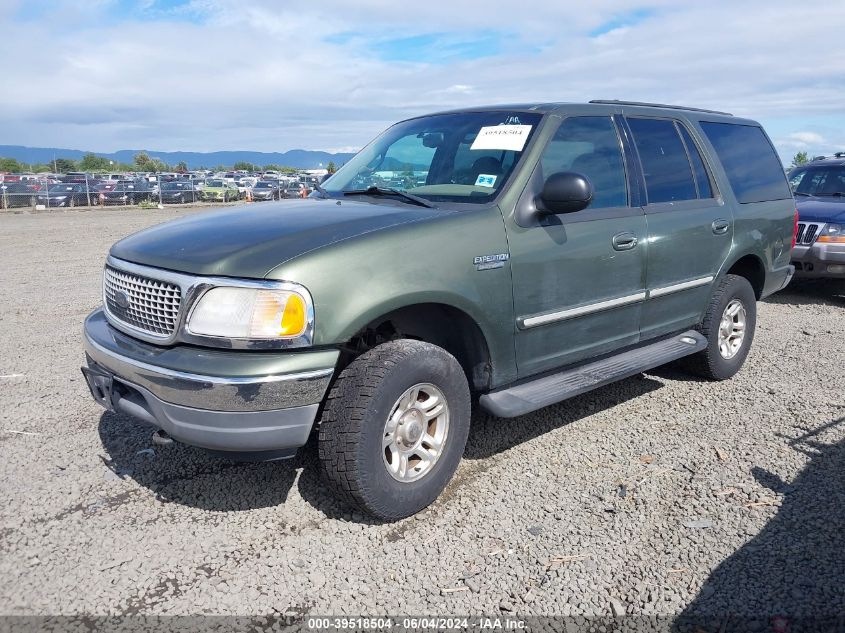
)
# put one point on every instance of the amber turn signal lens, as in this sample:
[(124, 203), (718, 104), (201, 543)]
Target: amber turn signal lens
[(294, 317)]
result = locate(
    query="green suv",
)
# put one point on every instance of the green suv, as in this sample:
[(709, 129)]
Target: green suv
[(511, 257)]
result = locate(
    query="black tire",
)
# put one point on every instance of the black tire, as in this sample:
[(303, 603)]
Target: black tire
[(710, 363), (353, 424)]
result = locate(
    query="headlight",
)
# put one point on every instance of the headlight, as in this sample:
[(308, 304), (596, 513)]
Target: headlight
[(833, 233), (264, 314)]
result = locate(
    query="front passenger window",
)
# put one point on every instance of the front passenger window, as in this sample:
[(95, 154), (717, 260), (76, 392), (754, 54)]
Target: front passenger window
[(590, 146)]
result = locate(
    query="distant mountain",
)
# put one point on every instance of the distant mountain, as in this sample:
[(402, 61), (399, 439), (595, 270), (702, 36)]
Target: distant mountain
[(300, 158)]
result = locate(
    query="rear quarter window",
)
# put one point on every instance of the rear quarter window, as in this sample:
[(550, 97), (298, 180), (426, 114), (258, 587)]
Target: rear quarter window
[(751, 164)]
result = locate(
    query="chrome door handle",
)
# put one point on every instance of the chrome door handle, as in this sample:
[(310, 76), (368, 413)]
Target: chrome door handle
[(624, 241), (720, 227)]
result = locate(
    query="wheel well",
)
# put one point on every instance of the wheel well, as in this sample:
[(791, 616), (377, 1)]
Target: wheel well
[(435, 323), (752, 269)]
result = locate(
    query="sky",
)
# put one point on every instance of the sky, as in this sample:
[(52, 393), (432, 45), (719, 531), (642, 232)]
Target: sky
[(273, 75)]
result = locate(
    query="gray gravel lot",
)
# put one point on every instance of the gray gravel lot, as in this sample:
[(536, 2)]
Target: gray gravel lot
[(659, 495)]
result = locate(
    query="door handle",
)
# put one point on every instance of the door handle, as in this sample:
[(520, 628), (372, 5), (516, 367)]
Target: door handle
[(720, 227), (624, 241)]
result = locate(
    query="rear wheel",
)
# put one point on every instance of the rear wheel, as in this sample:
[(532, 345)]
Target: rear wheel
[(728, 325), (394, 428)]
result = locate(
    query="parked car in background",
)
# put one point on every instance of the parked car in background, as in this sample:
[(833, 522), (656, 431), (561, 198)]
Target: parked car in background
[(245, 185), (219, 190), (295, 189), (125, 192), (266, 190), (819, 190), (16, 194), (66, 194), (178, 192)]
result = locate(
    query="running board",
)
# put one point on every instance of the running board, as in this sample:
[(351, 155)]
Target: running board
[(541, 392)]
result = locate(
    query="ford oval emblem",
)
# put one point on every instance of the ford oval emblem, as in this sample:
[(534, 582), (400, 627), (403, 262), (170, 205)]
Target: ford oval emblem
[(121, 299)]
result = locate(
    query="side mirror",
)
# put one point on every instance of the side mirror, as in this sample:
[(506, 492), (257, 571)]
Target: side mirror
[(565, 192)]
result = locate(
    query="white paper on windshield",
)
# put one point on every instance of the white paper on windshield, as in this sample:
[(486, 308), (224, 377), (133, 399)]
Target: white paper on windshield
[(504, 137)]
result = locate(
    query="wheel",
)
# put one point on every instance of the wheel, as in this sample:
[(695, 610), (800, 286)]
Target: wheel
[(72, 202), (728, 326), (394, 428)]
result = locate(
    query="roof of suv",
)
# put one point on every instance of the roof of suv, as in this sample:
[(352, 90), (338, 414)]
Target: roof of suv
[(631, 106), (837, 159)]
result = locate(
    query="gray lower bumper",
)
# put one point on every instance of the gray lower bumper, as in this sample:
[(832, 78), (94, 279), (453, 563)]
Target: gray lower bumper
[(819, 260), (256, 402)]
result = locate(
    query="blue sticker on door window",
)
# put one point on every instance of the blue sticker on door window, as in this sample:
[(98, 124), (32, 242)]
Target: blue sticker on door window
[(485, 180)]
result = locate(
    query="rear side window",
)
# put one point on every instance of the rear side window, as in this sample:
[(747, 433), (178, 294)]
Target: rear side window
[(666, 168), (753, 168), (701, 177)]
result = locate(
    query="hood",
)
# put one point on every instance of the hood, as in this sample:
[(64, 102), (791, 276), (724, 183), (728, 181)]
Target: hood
[(249, 241), (821, 209)]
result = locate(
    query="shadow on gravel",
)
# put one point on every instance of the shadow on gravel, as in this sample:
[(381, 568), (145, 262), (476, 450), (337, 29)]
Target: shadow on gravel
[(803, 292), (191, 476), (790, 577), (489, 435)]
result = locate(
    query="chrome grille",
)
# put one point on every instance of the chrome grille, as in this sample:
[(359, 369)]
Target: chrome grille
[(152, 305), (807, 232)]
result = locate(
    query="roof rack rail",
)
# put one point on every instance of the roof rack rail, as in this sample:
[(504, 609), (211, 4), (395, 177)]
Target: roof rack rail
[(839, 154), (657, 105)]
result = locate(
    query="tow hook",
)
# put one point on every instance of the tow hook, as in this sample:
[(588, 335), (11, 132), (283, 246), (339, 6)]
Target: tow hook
[(160, 438)]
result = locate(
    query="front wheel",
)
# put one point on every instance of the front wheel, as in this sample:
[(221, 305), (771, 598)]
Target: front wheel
[(728, 326), (394, 428)]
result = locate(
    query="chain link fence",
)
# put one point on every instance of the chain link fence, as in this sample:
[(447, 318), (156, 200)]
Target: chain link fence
[(47, 191)]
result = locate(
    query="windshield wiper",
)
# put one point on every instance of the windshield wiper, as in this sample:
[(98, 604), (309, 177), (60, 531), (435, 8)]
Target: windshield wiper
[(321, 191), (387, 191), (801, 193), (832, 193)]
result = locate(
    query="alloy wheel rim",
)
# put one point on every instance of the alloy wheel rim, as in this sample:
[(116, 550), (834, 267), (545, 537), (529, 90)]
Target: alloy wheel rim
[(415, 433), (732, 329)]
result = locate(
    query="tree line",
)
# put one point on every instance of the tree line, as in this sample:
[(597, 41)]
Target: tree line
[(141, 162)]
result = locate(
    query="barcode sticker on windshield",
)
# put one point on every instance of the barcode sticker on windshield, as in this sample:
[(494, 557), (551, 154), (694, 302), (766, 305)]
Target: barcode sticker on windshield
[(504, 137)]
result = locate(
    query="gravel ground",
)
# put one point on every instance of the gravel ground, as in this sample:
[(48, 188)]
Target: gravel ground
[(657, 495)]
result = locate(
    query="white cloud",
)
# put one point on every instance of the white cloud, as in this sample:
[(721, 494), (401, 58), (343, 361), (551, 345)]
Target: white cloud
[(269, 77), (807, 138)]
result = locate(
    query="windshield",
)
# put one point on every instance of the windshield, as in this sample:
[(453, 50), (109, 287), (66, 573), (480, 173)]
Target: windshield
[(818, 181), (62, 188), (215, 183), (463, 157), (265, 185), (172, 186)]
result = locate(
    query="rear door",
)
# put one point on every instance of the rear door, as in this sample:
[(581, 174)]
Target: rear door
[(690, 227), (578, 278)]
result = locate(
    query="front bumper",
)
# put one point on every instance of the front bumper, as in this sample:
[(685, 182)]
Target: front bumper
[(819, 260), (238, 402)]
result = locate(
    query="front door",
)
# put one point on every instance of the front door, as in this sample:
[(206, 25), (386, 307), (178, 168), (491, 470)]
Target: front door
[(578, 278)]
